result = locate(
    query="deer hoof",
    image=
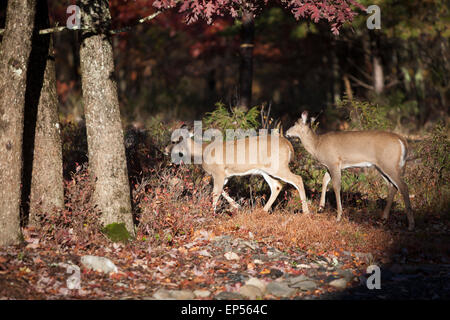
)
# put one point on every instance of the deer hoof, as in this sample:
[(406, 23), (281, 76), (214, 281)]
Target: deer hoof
[(321, 208)]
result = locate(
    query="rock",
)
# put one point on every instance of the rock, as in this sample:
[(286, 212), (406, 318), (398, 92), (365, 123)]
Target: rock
[(205, 253), (163, 294), (231, 256), (299, 278), (182, 294), (101, 264), (305, 285), (202, 293), (303, 266), (250, 291), (347, 274), (275, 273), (250, 245), (279, 289), (339, 283), (225, 295), (257, 283)]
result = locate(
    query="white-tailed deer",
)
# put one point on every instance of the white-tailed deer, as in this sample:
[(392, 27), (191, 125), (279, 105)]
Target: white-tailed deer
[(266, 155), (340, 150)]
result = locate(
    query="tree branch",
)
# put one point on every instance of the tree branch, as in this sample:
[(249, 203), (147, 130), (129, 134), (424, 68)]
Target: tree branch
[(360, 83), (112, 32), (365, 74)]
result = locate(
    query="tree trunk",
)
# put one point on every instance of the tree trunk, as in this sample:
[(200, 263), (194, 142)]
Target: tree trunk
[(14, 54), (43, 176), (378, 75), (246, 66), (107, 162), (335, 72), (377, 64)]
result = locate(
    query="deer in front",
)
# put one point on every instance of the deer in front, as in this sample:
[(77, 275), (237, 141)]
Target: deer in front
[(385, 151), (269, 160)]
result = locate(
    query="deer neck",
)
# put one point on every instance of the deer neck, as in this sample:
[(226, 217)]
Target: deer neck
[(310, 141), (196, 148)]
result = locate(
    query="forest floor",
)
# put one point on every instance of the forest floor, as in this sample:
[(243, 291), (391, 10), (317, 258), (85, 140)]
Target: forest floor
[(235, 257)]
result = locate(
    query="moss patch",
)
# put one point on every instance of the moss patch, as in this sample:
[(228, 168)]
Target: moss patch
[(116, 232)]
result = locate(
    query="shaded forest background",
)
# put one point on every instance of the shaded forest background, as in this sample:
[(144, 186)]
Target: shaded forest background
[(168, 70)]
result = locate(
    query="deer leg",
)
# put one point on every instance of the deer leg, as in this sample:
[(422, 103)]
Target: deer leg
[(390, 199), (336, 181), (297, 182), (404, 191), (217, 189), (396, 179), (275, 188), (325, 181), (230, 200)]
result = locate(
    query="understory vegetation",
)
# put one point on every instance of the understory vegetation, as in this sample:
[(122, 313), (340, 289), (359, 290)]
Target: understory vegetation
[(172, 201)]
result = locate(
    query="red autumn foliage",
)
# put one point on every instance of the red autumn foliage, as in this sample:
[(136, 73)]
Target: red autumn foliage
[(335, 12)]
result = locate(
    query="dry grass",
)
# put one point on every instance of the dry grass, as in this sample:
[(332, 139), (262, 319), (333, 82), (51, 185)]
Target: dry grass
[(317, 232)]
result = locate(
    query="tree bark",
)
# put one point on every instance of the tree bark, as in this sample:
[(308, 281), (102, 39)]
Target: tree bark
[(335, 71), (43, 176), (107, 162), (246, 66), (377, 64), (14, 54), (378, 75)]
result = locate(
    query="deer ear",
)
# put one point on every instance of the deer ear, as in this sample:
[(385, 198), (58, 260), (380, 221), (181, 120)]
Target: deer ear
[(304, 116)]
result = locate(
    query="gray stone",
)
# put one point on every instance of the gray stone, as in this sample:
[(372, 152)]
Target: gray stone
[(225, 295), (202, 293), (163, 294), (182, 294), (100, 264), (305, 285), (279, 289), (257, 283), (347, 274), (299, 278), (250, 292), (339, 283)]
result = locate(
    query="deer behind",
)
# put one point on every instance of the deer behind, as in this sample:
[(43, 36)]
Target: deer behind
[(340, 150)]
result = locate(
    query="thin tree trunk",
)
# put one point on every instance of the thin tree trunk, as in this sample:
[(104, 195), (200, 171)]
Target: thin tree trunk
[(246, 66), (335, 71), (377, 64), (378, 75), (42, 182), (107, 162), (14, 54)]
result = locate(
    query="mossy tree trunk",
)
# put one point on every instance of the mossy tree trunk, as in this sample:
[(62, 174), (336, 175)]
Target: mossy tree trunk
[(14, 55), (107, 161), (43, 171)]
